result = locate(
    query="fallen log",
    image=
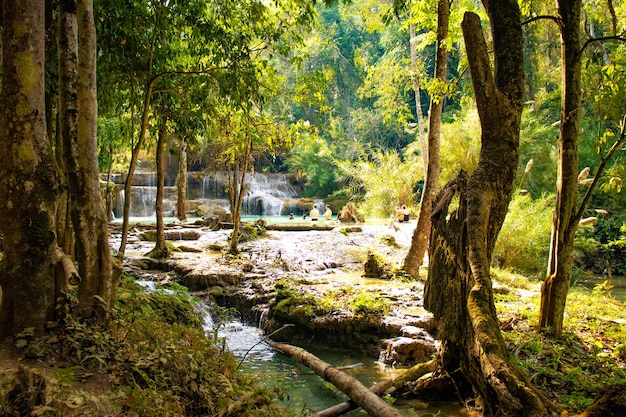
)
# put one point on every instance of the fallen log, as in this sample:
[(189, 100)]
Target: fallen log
[(370, 402), (380, 388)]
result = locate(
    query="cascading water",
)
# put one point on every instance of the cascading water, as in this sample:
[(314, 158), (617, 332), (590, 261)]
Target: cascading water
[(266, 194)]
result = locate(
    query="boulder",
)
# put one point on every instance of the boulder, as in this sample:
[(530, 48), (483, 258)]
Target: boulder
[(408, 351), (213, 211)]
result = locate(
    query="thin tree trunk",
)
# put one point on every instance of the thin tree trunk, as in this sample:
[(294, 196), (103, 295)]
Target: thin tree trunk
[(160, 249), (181, 183), (96, 291), (565, 222), (238, 189), (366, 399), (143, 133), (419, 243), (28, 177), (416, 89), (67, 117)]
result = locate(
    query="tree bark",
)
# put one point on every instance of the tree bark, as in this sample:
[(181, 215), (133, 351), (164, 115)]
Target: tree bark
[(565, 221), (366, 399), (67, 49), (380, 388), (416, 89), (181, 183), (419, 242), (28, 177), (237, 188), (459, 288), (96, 291), (160, 250)]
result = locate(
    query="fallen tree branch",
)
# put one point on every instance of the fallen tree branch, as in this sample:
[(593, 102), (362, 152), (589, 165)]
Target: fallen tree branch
[(366, 399), (380, 388)]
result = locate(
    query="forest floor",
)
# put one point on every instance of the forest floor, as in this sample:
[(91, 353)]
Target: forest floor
[(571, 371)]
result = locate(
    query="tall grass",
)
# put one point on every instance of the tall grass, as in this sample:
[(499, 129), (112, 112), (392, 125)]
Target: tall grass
[(524, 241), (383, 180)]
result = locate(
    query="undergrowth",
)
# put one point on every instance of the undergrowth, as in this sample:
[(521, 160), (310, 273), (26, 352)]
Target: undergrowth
[(590, 356), (153, 359)]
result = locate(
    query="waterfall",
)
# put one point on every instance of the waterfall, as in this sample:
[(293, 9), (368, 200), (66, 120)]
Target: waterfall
[(265, 195)]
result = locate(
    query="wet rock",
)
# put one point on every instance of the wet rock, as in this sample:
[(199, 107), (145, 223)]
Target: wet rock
[(142, 263), (408, 350), (200, 282), (184, 248), (176, 234), (375, 268), (213, 211)]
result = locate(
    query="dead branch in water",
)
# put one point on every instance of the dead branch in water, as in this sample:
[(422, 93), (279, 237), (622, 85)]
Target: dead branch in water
[(366, 399)]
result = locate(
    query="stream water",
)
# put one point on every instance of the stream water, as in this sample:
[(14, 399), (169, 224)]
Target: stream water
[(301, 390)]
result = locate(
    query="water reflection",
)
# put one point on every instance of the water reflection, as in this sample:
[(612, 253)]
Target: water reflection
[(618, 284)]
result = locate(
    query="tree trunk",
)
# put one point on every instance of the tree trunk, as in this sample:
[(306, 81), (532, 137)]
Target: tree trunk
[(96, 291), (459, 288), (369, 401), (143, 133), (181, 183), (67, 117), (28, 177), (160, 250), (419, 243), (133, 165), (416, 89), (380, 388), (565, 221), (237, 189)]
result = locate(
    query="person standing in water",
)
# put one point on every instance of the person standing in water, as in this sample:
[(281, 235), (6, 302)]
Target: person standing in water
[(315, 213), (328, 213)]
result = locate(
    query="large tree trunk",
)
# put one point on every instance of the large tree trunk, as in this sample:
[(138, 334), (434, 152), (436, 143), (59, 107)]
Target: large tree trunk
[(419, 243), (459, 288), (181, 183), (565, 221), (28, 178)]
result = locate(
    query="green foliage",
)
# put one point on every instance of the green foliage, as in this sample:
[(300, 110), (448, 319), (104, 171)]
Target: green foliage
[(524, 240), (313, 161), (383, 181), (366, 304), (602, 246), (156, 357), (460, 143)]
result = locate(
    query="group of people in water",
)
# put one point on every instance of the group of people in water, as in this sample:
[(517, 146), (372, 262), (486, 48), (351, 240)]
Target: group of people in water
[(402, 214), (314, 214)]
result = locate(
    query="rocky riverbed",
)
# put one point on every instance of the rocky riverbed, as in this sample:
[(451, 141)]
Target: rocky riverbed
[(285, 276)]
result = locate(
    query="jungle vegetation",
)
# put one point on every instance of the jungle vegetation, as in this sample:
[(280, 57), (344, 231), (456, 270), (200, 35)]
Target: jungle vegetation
[(531, 109)]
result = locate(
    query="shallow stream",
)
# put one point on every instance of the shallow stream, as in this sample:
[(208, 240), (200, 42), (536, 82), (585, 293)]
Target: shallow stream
[(301, 390)]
